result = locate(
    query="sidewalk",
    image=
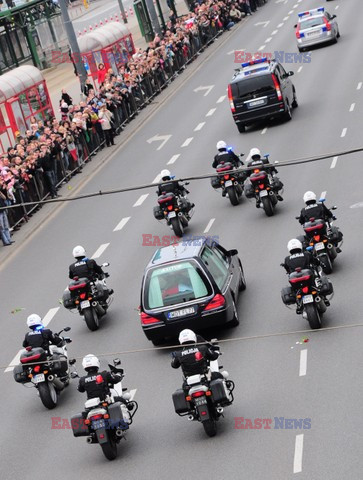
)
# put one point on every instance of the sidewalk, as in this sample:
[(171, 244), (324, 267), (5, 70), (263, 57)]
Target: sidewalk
[(62, 76)]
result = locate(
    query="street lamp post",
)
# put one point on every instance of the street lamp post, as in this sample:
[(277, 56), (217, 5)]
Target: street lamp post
[(73, 43), (122, 11)]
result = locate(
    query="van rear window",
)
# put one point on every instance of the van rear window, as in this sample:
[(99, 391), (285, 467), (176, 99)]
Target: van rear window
[(173, 284), (261, 84)]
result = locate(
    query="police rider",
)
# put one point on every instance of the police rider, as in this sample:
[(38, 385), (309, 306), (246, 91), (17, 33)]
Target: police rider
[(226, 155), (256, 160), (172, 186), (39, 336), (314, 209)]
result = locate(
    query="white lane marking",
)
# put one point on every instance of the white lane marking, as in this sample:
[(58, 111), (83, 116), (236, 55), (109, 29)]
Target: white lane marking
[(334, 162), (298, 1), (221, 99), (295, 6), (303, 362), (352, 107), (359, 86), (211, 111), (336, 8), (285, 18), (280, 25), (323, 194), (133, 393), (344, 132), (264, 131), (290, 12), (275, 31), (187, 141), (49, 315), (299, 69), (173, 159), (15, 361), (299, 445), (141, 200), (199, 126), (159, 138), (261, 48), (100, 250), (230, 53), (207, 89), (208, 227), (121, 225), (157, 178), (268, 39)]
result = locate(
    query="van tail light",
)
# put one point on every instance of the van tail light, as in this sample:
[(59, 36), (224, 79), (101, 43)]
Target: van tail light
[(297, 33), (277, 87), (327, 27), (230, 98), (147, 319), (217, 301)]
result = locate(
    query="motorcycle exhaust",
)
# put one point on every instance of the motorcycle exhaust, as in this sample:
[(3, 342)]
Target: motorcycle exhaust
[(190, 417), (318, 299), (330, 246), (180, 214), (99, 310), (89, 440), (220, 410), (119, 433), (56, 382)]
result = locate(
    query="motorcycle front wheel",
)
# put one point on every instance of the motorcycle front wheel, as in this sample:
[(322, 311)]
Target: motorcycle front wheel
[(109, 449), (210, 427)]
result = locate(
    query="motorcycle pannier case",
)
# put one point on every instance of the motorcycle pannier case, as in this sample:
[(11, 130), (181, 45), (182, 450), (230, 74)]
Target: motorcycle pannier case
[(19, 375), (158, 214), (180, 403), (249, 190), (116, 419), (79, 428), (219, 394), (102, 292), (59, 365), (68, 302), (215, 182), (326, 287), (288, 296)]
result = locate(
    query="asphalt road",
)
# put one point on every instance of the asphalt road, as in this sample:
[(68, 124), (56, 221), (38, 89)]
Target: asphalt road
[(273, 377)]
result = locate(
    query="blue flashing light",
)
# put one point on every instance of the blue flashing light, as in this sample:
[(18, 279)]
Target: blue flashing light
[(324, 29), (322, 200), (229, 149), (309, 249), (303, 14), (311, 12), (254, 62), (39, 327), (302, 34)]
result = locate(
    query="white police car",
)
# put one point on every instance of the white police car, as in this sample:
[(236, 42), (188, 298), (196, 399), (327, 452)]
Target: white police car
[(315, 27)]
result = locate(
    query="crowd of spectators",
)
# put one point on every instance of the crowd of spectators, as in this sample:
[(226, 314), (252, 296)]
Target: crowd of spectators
[(52, 151)]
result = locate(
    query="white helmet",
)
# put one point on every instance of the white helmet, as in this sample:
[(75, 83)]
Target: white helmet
[(254, 152), (34, 320), (309, 196), (165, 173), (294, 244), (79, 251), (221, 144), (187, 336), (90, 361)]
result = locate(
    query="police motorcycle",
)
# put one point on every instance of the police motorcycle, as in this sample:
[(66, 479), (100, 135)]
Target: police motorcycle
[(204, 399), (323, 239), (90, 297), (174, 211), (263, 186), (230, 181), (107, 421), (47, 371)]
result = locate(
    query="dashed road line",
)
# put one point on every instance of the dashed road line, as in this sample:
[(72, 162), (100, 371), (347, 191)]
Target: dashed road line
[(100, 250), (261, 48), (280, 25), (268, 39), (264, 131), (299, 446), (133, 393), (303, 362), (230, 53), (50, 314), (344, 132), (296, 5), (359, 86), (199, 126), (334, 162), (15, 361), (299, 69), (285, 18), (211, 111), (173, 159), (121, 224), (323, 194), (274, 32), (208, 227), (141, 200), (336, 8), (187, 141), (352, 107), (221, 99), (157, 178), (291, 11)]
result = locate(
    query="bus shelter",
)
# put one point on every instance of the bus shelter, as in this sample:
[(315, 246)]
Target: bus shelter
[(111, 45), (23, 94)]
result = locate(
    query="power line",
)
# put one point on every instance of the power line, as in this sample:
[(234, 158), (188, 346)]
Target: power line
[(286, 163)]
